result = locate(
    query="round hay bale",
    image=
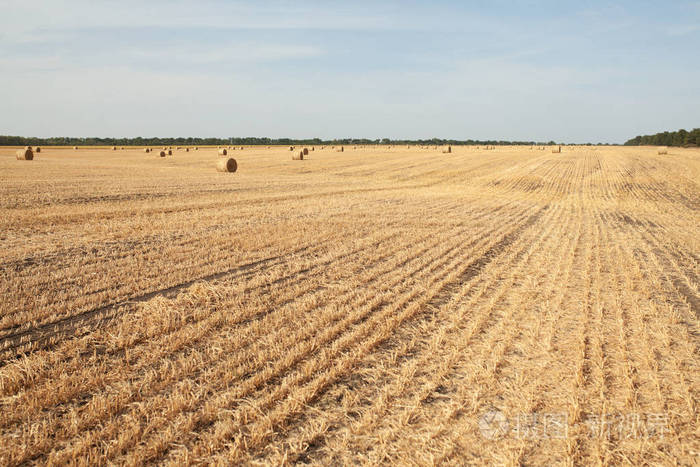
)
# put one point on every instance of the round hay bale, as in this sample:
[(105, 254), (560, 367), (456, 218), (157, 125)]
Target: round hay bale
[(241, 148), (28, 147), (341, 149), (37, 149), (227, 165), (187, 149), (196, 148), (161, 153), (75, 148), (24, 154), (146, 150), (447, 150), (305, 151), (122, 148), (662, 151), (298, 157), (313, 148), (170, 152), (114, 148), (291, 148), (223, 152)]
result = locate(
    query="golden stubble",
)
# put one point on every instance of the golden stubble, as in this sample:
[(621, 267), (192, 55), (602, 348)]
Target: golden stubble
[(364, 306)]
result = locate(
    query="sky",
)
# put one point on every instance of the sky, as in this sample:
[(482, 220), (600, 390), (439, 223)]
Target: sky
[(583, 71)]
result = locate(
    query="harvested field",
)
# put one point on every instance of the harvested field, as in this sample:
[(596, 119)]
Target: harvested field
[(386, 305)]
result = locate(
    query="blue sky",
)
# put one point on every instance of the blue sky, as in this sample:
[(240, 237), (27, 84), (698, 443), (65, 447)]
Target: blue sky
[(583, 71)]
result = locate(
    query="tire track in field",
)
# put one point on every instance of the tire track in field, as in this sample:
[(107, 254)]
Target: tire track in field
[(503, 384)]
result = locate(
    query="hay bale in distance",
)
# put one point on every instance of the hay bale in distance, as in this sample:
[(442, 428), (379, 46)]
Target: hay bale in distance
[(662, 151), (75, 148), (305, 151), (24, 154), (557, 150), (170, 152), (187, 149), (341, 149), (114, 148), (447, 150), (37, 149), (298, 157), (146, 150), (223, 152), (227, 165), (291, 148), (161, 153)]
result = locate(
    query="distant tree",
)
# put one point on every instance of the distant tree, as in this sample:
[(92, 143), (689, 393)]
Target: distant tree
[(667, 138)]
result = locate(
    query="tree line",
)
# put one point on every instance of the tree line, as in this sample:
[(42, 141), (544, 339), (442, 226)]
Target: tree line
[(668, 138), (248, 141)]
